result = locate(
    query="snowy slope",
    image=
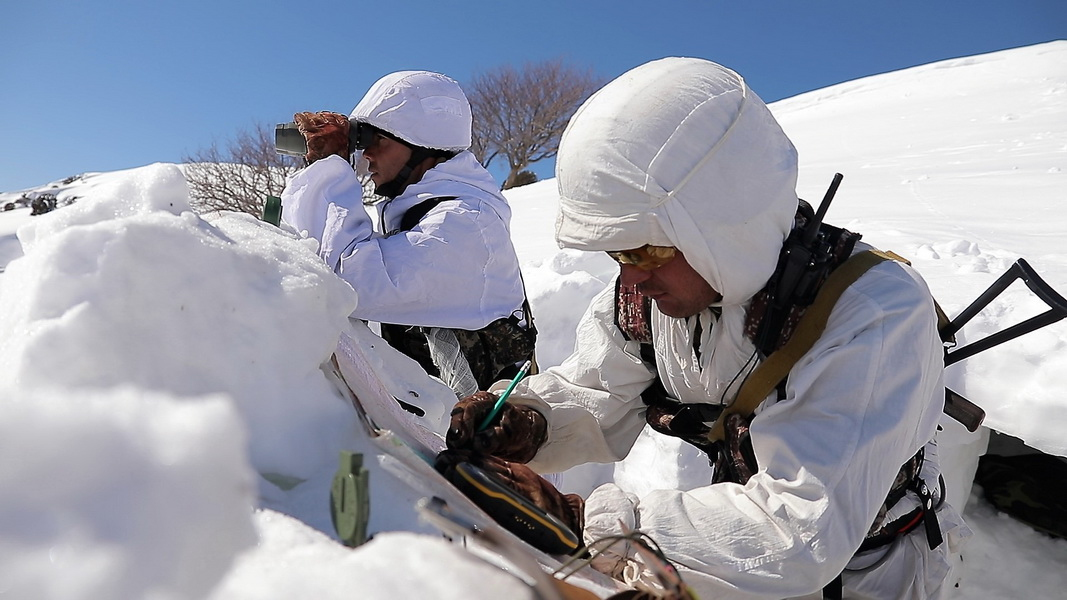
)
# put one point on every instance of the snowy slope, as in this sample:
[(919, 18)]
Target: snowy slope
[(961, 166)]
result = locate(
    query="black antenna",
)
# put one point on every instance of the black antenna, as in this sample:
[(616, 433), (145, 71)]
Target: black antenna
[(812, 228)]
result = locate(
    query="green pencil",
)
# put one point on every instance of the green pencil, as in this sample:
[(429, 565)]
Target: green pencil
[(504, 397)]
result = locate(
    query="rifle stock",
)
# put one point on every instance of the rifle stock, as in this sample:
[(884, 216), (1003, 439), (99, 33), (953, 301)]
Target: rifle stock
[(958, 407)]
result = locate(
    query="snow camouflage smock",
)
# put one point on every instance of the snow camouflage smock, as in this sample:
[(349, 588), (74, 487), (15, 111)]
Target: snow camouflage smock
[(457, 268), (706, 168)]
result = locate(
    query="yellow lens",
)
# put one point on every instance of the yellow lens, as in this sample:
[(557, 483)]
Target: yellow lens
[(646, 257)]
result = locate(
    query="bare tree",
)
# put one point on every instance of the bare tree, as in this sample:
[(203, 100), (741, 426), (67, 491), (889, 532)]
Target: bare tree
[(240, 177), (520, 114)]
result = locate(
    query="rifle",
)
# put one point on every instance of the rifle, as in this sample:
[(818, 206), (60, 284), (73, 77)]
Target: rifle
[(805, 262), (958, 407)]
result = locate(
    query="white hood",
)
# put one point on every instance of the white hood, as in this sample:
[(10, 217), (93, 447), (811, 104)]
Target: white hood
[(423, 108), (680, 152)]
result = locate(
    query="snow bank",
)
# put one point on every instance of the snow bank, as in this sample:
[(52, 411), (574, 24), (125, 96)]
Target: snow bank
[(295, 561), (127, 286), (120, 494)]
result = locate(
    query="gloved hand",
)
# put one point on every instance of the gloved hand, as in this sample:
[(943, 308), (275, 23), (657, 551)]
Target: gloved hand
[(611, 510), (613, 513), (515, 434), (569, 508), (326, 133)]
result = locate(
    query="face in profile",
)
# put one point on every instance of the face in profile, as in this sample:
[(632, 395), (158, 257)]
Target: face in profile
[(666, 277), (385, 157)]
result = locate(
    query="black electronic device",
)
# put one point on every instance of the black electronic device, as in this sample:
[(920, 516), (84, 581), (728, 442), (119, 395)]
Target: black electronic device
[(515, 512)]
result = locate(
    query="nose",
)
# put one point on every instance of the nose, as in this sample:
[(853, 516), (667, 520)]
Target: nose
[(631, 275)]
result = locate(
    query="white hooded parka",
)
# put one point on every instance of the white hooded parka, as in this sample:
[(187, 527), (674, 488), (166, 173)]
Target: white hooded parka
[(456, 268), (679, 152)]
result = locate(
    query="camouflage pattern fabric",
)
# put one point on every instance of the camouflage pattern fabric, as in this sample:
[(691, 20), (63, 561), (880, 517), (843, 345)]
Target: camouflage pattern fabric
[(496, 351), (493, 353), (1029, 487)]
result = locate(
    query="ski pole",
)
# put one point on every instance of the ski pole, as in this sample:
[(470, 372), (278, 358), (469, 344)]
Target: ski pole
[(504, 397)]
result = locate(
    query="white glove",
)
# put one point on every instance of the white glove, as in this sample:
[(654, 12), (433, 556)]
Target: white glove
[(609, 511)]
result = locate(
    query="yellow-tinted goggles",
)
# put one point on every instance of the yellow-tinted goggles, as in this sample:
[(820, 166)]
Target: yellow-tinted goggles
[(646, 257)]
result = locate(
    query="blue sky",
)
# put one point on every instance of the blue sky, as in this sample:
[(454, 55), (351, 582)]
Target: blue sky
[(103, 86)]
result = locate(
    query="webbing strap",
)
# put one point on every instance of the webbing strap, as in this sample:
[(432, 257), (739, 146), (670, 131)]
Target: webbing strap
[(771, 371)]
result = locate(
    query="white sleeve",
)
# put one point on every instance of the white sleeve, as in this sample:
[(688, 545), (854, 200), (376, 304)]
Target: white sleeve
[(325, 200), (456, 268), (587, 421), (861, 402)]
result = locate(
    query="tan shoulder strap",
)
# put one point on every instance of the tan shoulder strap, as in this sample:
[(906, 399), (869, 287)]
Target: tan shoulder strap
[(770, 372)]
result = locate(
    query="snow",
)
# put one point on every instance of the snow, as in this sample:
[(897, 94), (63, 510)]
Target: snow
[(167, 432), (100, 490)]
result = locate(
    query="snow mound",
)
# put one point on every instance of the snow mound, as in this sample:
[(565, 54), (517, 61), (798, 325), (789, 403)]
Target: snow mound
[(128, 287), (128, 495)]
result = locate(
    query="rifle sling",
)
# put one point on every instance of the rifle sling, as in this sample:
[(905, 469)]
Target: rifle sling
[(770, 372)]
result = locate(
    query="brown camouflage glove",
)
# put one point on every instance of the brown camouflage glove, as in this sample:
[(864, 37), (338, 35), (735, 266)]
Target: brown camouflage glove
[(325, 132), (569, 508), (515, 434)]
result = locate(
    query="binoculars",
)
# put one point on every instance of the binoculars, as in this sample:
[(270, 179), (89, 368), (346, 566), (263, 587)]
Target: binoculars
[(289, 141)]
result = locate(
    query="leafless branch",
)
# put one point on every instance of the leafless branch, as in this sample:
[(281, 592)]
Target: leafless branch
[(520, 113), (241, 176)]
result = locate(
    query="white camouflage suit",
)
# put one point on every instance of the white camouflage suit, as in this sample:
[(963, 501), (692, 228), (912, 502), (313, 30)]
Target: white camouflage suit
[(457, 268), (679, 152)]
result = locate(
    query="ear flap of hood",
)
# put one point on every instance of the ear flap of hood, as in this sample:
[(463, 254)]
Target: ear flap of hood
[(679, 152)]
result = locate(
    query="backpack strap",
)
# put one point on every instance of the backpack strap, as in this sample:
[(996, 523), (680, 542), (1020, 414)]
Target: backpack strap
[(411, 218), (493, 352), (773, 370), (413, 215)]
